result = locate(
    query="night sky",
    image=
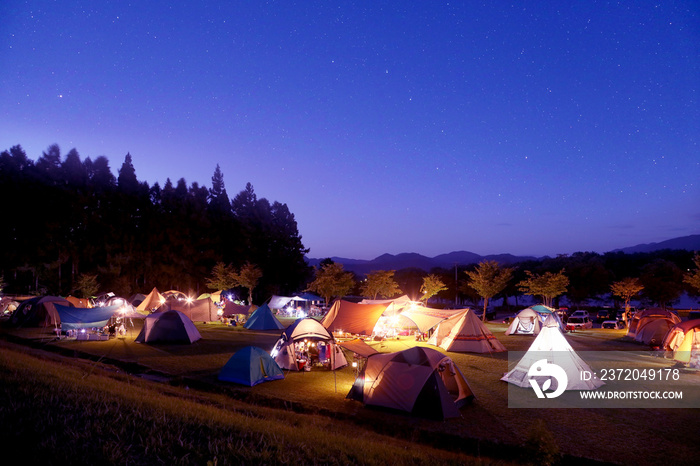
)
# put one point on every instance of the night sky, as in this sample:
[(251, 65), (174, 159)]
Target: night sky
[(386, 127)]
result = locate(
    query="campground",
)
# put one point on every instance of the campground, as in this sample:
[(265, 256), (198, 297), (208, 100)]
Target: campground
[(488, 428)]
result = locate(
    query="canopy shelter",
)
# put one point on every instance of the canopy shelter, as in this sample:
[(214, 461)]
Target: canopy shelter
[(679, 339), (358, 346), (168, 327), (394, 306), (151, 302), (552, 346), (73, 318), (465, 333), (426, 318), (250, 366), (291, 351), (198, 310), (263, 319), (357, 319), (39, 311), (421, 381)]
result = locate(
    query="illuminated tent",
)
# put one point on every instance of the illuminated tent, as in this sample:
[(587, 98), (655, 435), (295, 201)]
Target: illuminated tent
[(250, 366), (426, 318), (263, 319), (358, 319), (641, 318), (527, 322), (679, 339), (39, 311), (308, 329), (394, 306), (551, 344), (465, 333), (168, 327), (419, 380), (215, 297), (75, 317), (78, 302), (151, 302), (653, 331)]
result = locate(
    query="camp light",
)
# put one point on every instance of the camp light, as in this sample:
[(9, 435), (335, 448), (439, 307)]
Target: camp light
[(189, 300), (354, 364)]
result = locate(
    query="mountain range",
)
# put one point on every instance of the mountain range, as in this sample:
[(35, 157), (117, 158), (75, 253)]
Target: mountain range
[(447, 261)]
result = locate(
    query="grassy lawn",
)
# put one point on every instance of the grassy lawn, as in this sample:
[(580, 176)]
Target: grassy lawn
[(642, 436)]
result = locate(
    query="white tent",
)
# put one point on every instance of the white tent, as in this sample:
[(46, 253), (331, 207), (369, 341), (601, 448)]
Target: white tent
[(551, 345), (464, 332), (527, 322), (426, 318), (288, 350)]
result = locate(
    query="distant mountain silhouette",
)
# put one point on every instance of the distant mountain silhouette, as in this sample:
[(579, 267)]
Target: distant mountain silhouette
[(689, 243), (448, 261)]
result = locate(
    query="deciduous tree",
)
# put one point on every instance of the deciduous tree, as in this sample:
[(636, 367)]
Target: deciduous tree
[(331, 281), (380, 283), (549, 285), (489, 279), (432, 285)]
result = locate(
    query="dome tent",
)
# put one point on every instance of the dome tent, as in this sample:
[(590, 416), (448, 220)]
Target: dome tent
[(419, 380), (306, 330), (168, 327), (263, 319), (250, 366)]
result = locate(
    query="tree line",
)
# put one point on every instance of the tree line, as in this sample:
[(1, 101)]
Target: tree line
[(68, 221), (657, 279)]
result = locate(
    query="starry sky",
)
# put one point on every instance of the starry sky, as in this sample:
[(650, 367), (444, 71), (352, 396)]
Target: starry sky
[(531, 128)]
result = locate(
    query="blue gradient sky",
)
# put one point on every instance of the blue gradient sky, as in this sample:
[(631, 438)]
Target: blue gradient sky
[(523, 127)]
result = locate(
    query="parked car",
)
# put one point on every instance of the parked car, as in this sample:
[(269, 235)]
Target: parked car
[(580, 314), (578, 323), (603, 314), (613, 324)]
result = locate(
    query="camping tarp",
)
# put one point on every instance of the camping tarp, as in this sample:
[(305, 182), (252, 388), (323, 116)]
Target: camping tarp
[(426, 318), (359, 347), (263, 319), (168, 327), (357, 319), (419, 380), (250, 366), (465, 332), (77, 317), (394, 305), (550, 344)]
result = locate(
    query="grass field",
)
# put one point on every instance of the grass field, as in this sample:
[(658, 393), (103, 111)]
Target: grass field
[(488, 429)]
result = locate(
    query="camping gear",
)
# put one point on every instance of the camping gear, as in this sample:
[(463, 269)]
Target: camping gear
[(250, 366), (357, 319), (641, 318), (76, 317), (421, 381), (291, 350), (153, 301), (168, 327), (679, 339), (465, 333), (263, 319)]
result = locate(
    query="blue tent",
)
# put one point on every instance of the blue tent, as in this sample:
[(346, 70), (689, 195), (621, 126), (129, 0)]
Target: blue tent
[(263, 319), (250, 366), (79, 317)]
